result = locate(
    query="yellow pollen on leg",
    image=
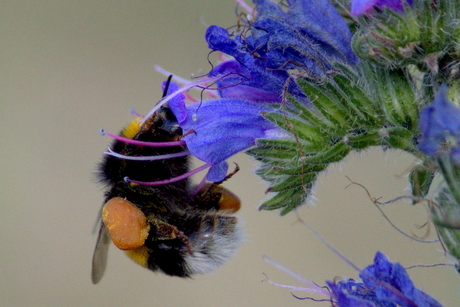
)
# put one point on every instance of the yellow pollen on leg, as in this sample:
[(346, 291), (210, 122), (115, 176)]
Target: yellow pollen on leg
[(126, 223)]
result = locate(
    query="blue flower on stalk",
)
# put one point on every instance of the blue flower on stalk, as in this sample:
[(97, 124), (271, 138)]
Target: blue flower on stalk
[(359, 7), (440, 123), (305, 39), (308, 38), (384, 284)]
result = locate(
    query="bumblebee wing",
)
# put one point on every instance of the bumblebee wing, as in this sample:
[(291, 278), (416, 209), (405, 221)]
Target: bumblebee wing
[(97, 221), (100, 254)]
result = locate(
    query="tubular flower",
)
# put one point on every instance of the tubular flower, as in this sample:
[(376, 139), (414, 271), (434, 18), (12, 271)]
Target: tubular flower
[(384, 284), (359, 7), (440, 125), (219, 128), (306, 40)]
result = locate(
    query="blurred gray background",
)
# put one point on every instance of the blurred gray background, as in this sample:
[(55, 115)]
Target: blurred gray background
[(69, 68)]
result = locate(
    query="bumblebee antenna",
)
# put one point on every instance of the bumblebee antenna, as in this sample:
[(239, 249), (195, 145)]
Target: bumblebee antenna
[(168, 82)]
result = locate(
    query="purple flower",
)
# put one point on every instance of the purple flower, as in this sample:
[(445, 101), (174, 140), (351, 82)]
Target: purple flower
[(247, 77), (440, 122), (359, 7), (260, 86), (384, 284), (349, 293), (307, 38), (219, 128)]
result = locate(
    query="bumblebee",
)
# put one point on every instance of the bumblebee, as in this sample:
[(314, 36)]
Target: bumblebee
[(173, 227)]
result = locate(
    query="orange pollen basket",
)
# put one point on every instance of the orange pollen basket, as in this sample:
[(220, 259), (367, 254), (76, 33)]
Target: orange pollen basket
[(126, 223)]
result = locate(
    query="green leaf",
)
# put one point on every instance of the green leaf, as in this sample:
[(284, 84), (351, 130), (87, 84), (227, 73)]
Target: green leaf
[(300, 128), (326, 104), (293, 182), (287, 199)]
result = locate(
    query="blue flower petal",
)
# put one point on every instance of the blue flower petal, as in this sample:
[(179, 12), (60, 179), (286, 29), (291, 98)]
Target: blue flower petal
[(217, 172), (252, 85), (349, 293), (437, 121), (307, 39), (391, 283), (359, 7), (385, 284), (218, 129), (177, 102), (320, 21)]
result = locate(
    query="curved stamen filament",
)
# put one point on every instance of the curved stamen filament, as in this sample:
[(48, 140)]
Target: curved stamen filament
[(133, 112), (112, 153), (175, 78), (175, 93), (143, 143), (245, 6), (171, 180)]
